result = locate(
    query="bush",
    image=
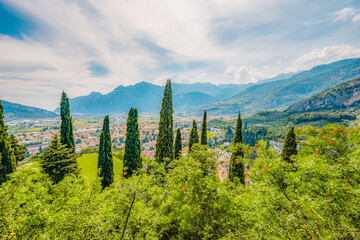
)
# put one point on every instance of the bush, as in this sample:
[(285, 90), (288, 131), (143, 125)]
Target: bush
[(315, 196)]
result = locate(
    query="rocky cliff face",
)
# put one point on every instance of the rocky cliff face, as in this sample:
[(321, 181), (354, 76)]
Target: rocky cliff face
[(342, 97)]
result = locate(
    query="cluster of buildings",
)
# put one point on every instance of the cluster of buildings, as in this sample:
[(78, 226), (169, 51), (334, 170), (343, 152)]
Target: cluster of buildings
[(36, 135)]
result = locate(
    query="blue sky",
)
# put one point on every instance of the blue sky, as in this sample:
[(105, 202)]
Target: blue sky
[(84, 46)]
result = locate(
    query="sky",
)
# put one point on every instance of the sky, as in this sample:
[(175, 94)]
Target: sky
[(82, 46)]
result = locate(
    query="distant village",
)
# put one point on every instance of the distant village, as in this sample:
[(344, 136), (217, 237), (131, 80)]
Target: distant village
[(36, 135)]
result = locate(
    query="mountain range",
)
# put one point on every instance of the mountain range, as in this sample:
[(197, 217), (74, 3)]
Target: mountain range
[(13, 111), (343, 97), (219, 100), (147, 97), (282, 93), (340, 104), (225, 99)]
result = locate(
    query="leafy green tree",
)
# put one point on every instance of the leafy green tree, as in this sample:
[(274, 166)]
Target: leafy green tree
[(105, 160), (19, 150), (204, 130), (290, 145), (66, 130), (194, 136), (59, 161), (321, 199), (132, 158), (7, 158), (236, 166), (178, 144), (164, 143)]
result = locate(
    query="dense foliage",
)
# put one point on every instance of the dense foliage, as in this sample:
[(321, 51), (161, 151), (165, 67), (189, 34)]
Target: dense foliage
[(59, 161), (178, 144), (194, 136), (164, 143), (7, 158), (229, 135), (203, 140), (320, 200), (290, 146), (132, 159), (19, 150), (236, 166), (105, 160)]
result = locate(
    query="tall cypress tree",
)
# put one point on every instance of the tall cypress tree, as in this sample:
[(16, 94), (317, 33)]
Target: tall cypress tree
[(178, 144), (66, 131), (165, 139), (105, 161), (59, 161), (236, 168), (132, 158), (290, 145), (101, 155), (204, 131), (7, 158), (194, 136)]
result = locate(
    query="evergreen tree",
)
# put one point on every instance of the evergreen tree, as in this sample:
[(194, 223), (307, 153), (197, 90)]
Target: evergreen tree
[(204, 131), (165, 139), (290, 145), (236, 168), (59, 161), (132, 158), (194, 136), (105, 161), (229, 135), (7, 158), (178, 144), (66, 131), (19, 150)]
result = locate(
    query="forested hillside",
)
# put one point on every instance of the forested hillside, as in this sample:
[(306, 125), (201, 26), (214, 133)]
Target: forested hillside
[(346, 96), (283, 93)]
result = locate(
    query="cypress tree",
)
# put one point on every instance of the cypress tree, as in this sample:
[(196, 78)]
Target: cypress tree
[(132, 158), (7, 158), (194, 136), (165, 139), (290, 145), (105, 161), (203, 131), (101, 149), (66, 131), (59, 161), (236, 168), (19, 150), (178, 144)]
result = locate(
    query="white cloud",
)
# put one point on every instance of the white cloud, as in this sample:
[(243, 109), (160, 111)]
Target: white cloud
[(324, 55), (356, 18), (161, 80), (347, 13), (246, 74), (137, 40)]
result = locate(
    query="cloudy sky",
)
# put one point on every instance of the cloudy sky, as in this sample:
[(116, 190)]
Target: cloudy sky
[(81, 46)]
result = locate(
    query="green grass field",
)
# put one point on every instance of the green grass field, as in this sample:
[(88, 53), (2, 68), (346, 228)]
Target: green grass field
[(88, 166)]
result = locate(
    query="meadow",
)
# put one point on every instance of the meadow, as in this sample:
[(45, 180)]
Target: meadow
[(88, 166)]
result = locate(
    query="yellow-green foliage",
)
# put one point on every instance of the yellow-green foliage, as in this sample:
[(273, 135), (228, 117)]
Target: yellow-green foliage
[(315, 196), (88, 165)]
